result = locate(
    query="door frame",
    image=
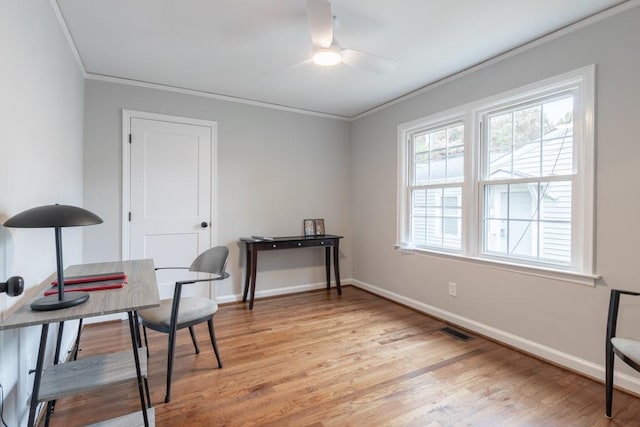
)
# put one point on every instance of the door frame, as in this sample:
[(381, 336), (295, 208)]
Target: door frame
[(127, 115)]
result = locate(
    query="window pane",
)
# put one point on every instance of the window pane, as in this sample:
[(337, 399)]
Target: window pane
[(495, 236), (555, 242), (455, 154), (522, 237), (452, 240), (420, 143), (452, 219), (436, 217), (434, 202), (527, 122), (418, 230), (438, 155), (420, 159), (421, 171), (418, 216), (452, 209), (529, 220), (496, 201), (523, 201), (500, 145), (434, 236), (531, 141), (557, 113), (557, 141), (555, 224), (526, 147)]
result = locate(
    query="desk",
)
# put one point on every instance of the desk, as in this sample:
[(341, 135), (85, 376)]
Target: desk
[(88, 373), (253, 246)]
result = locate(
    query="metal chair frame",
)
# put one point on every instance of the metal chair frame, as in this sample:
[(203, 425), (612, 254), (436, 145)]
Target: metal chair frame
[(173, 326), (612, 323)]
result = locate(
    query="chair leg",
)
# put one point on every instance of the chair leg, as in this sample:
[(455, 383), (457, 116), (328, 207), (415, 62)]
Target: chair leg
[(213, 342), (172, 344), (609, 380), (192, 332)]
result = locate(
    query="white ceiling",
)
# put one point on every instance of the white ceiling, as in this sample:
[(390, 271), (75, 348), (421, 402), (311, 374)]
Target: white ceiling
[(237, 48)]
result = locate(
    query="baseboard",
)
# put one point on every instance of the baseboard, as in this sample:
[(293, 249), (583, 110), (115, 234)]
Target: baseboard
[(589, 369), (225, 299)]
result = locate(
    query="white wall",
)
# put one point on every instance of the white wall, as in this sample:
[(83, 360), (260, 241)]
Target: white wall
[(41, 116), (275, 168), (557, 320)]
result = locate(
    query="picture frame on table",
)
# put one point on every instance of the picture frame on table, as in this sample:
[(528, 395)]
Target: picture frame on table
[(319, 226), (309, 227)]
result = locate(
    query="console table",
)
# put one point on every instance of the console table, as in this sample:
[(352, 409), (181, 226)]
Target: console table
[(254, 245), (53, 382)]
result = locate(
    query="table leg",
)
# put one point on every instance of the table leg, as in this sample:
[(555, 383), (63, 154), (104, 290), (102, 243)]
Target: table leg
[(134, 347), (136, 325), (38, 375), (254, 262), (336, 265), (51, 405), (247, 273), (76, 348), (327, 265)]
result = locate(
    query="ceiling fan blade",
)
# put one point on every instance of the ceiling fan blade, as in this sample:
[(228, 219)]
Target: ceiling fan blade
[(320, 21), (368, 61)]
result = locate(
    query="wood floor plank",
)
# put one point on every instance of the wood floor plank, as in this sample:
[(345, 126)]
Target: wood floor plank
[(318, 359)]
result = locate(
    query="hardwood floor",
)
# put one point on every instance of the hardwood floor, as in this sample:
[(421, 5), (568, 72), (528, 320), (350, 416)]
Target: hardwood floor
[(317, 359)]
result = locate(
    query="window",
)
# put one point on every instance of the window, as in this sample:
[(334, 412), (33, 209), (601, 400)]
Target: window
[(527, 180), (437, 173), (507, 179)]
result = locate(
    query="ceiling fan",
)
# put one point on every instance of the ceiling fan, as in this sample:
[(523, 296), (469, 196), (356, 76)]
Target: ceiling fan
[(327, 51)]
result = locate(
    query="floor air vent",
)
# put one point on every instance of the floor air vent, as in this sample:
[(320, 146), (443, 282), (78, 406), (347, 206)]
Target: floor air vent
[(456, 334)]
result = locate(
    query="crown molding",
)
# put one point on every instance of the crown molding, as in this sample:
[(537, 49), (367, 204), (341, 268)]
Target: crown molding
[(68, 37), (568, 29)]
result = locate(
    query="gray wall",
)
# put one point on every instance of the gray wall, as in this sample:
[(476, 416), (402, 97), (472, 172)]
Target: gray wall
[(41, 115), (558, 320), (275, 168)]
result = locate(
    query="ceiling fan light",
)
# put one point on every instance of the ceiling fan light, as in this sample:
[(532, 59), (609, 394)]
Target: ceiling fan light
[(326, 56)]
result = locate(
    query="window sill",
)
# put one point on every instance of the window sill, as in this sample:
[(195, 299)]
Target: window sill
[(544, 272)]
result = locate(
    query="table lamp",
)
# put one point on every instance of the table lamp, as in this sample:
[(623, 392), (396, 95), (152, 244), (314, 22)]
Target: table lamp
[(55, 216)]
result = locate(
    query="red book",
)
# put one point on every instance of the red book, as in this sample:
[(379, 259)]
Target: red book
[(89, 283), (91, 278)]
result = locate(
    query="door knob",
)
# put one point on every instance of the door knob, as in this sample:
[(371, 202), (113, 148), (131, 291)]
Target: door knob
[(204, 224)]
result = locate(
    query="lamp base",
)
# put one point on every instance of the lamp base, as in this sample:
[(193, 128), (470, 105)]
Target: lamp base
[(69, 299)]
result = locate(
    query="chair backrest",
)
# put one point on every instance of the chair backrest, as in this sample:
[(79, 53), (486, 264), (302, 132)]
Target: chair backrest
[(212, 261)]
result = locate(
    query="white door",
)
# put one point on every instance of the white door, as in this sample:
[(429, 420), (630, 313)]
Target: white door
[(169, 213)]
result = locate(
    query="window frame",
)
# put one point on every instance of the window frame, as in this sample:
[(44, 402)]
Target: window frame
[(405, 172), (581, 269), (438, 185)]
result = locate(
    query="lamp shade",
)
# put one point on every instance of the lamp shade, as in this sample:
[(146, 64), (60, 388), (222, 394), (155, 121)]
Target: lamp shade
[(53, 216), (57, 217)]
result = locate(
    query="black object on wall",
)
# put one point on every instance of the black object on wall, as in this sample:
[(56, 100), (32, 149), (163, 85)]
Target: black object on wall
[(13, 286)]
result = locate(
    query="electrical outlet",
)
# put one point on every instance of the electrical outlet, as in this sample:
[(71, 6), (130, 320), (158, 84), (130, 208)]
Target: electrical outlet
[(452, 289)]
